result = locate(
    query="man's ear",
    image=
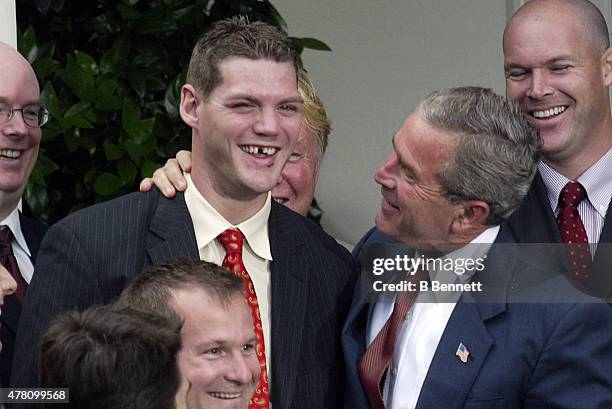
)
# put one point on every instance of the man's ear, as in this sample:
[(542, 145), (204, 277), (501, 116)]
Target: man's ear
[(606, 66), (190, 101), (472, 214)]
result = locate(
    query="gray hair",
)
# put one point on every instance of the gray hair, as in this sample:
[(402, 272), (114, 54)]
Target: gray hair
[(496, 148)]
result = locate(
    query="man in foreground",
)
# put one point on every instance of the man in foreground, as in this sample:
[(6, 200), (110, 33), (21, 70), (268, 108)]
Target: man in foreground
[(218, 354), (459, 167)]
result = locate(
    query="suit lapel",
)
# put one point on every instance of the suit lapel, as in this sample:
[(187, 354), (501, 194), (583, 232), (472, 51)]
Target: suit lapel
[(33, 232), (449, 380), (354, 332), (600, 279), (172, 224), (289, 301), (534, 221), (606, 231), (10, 314), (354, 346)]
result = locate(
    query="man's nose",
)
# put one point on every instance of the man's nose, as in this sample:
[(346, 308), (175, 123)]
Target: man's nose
[(539, 86), (267, 122), (384, 175)]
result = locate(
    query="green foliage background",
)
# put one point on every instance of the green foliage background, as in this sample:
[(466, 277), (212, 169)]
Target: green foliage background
[(110, 73)]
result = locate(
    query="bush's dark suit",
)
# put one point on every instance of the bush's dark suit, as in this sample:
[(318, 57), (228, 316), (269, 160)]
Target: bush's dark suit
[(523, 355)]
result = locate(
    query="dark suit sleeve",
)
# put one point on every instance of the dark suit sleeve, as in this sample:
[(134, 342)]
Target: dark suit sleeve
[(33, 231), (575, 368), (63, 280), (372, 236)]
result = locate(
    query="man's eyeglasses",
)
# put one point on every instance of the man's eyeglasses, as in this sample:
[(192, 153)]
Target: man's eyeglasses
[(33, 115)]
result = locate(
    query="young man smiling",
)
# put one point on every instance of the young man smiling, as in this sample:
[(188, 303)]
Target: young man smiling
[(296, 186), (242, 103)]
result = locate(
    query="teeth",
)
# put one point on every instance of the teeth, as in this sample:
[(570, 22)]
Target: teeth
[(10, 153), (279, 200), (267, 150), (224, 395), (547, 113)]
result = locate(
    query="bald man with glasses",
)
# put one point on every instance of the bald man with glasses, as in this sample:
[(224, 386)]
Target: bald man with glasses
[(21, 118)]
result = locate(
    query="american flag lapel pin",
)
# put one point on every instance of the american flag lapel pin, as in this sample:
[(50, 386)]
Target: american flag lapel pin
[(462, 353)]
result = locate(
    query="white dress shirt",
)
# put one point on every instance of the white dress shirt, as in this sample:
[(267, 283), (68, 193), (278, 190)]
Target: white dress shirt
[(256, 254), (598, 185), (422, 329), (20, 247)]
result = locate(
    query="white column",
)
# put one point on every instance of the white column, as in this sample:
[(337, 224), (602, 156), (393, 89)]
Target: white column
[(8, 25), (8, 28)]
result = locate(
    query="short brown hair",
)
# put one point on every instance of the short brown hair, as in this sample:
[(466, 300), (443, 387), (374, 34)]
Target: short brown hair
[(236, 37), (113, 357), (152, 289)]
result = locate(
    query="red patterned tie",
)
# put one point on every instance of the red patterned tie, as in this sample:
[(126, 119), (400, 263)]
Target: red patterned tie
[(374, 363), (573, 231), (232, 243), (8, 260)]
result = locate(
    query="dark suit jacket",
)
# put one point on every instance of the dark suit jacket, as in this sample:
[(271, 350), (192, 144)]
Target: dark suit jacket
[(534, 222), (33, 232), (90, 256), (523, 355)]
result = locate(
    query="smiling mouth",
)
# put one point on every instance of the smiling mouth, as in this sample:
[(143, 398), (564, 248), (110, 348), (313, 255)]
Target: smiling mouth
[(259, 150), (10, 153), (225, 395), (388, 203), (548, 113)]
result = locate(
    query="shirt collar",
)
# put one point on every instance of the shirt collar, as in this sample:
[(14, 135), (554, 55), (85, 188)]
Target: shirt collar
[(595, 181), (13, 222), (474, 250), (209, 223), (598, 183)]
